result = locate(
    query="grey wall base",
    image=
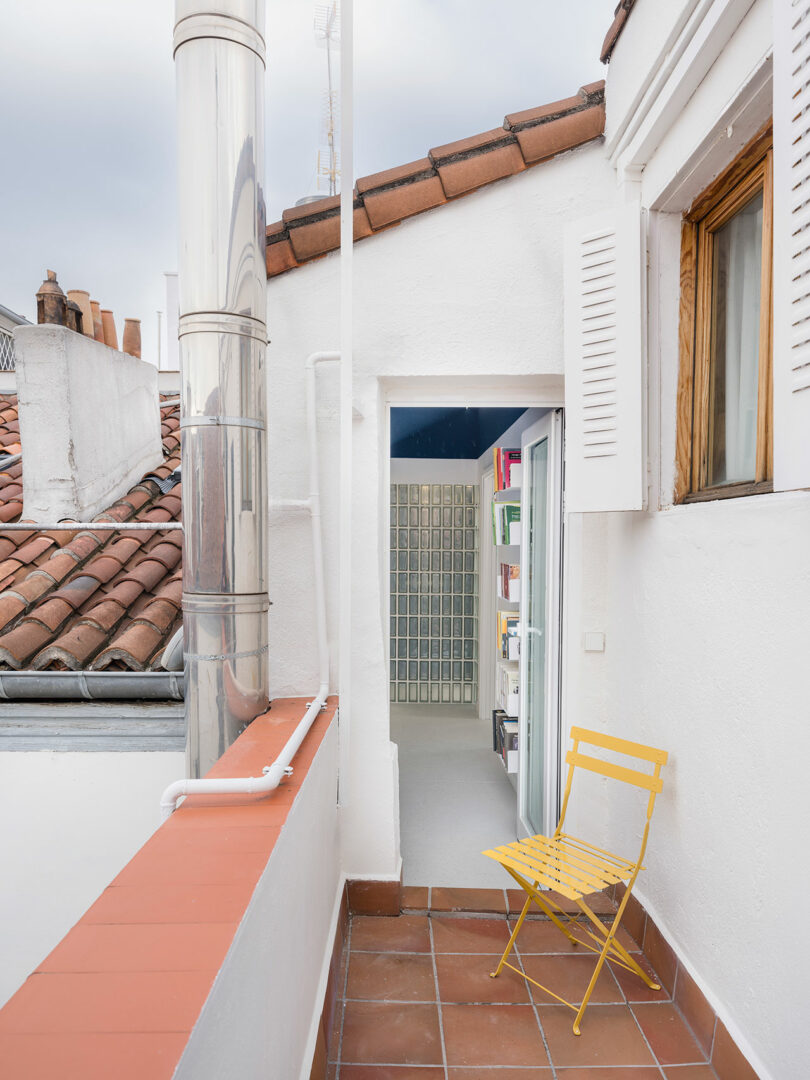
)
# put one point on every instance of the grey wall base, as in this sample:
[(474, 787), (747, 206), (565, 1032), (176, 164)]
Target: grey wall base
[(83, 726)]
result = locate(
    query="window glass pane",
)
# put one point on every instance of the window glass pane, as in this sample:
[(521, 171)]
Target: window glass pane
[(734, 371)]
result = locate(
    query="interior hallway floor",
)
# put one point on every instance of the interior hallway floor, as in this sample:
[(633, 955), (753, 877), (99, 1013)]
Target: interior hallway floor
[(455, 798)]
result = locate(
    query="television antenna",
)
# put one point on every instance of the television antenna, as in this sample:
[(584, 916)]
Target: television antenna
[(327, 35)]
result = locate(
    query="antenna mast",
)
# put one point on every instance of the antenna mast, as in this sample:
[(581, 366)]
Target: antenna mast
[(327, 35)]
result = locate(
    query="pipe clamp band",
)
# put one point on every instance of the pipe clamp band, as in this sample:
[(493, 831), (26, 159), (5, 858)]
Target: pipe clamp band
[(221, 421), (224, 27), (222, 322), (228, 655)]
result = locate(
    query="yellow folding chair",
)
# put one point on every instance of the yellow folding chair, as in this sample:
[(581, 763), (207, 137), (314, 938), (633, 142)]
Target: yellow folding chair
[(574, 868)]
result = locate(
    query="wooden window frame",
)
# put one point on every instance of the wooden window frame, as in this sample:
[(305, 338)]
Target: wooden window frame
[(750, 172)]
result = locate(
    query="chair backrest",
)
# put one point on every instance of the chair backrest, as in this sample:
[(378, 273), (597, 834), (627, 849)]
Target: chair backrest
[(650, 781)]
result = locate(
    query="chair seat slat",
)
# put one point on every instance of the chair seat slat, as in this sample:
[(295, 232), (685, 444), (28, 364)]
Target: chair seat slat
[(521, 868), (585, 872)]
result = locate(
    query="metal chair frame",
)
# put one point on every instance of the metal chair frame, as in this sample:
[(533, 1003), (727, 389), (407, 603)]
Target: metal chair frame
[(574, 868)]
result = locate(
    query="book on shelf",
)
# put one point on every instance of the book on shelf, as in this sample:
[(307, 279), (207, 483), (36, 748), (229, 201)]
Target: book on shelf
[(509, 581), (506, 522), (507, 686), (507, 467), (508, 641)]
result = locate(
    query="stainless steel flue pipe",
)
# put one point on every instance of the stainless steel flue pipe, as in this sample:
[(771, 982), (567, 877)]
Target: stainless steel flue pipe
[(219, 55)]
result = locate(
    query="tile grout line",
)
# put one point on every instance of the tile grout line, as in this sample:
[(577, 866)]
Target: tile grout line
[(533, 1004), (343, 997), (438, 996)]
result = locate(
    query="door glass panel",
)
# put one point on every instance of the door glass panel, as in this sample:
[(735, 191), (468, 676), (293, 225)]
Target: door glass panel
[(534, 635)]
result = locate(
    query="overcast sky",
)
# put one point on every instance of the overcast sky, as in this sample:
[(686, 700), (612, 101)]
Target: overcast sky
[(88, 174)]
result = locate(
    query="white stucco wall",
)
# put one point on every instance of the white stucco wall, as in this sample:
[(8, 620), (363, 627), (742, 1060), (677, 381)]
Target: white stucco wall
[(470, 289), (704, 608), (71, 822), (89, 421)]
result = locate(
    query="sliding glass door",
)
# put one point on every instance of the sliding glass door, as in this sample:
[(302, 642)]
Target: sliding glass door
[(538, 738)]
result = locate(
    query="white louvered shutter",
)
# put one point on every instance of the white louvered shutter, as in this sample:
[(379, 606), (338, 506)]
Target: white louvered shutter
[(604, 377), (791, 245)]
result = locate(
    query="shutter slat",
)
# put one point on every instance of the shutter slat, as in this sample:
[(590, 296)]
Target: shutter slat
[(791, 244)]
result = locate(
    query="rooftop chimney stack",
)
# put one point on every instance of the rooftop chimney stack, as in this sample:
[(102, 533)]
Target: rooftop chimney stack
[(219, 55), (51, 301)]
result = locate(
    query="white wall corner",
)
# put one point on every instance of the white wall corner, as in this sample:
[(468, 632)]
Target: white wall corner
[(89, 422)]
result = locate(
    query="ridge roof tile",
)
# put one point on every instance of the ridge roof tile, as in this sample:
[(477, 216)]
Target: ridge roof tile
[(386, 198)]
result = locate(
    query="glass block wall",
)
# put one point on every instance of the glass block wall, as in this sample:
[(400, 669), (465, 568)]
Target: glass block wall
[(434, 593)]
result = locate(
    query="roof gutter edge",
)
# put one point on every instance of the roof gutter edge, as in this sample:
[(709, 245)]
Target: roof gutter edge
[(91, 686)]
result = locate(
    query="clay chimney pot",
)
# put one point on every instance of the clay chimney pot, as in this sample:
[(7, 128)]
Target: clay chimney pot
[(82, 298), (98, 330), (132, 337), (108, 326)]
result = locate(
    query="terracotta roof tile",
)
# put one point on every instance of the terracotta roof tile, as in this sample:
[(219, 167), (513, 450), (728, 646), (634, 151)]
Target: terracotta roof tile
[(620, 17), (73, 650), (414, 170), (133, 647), (471, 163), (10, 607), (33, 587), (388, 197), (52, 613), (20, 644), (72, 595), (394, 202), (547, 138)]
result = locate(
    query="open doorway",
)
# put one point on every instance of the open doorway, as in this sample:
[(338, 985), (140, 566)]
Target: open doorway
[(455, 669)]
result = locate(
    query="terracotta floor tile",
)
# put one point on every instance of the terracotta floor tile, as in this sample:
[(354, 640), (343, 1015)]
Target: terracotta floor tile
[(597, 902), (415, 896), (542, 935), (171, 904), (466, 978), (391, 977), (91, 1055), (671, 1040), (660, 954), (469, 935), (727, 1059), (130, 1002), (609, 1074), (568, 977), (379, 933), (634, 988), (377, 1032), (492, 1035), (696, 1010), (609, 1036), (444, 899), (690, 1072), (390, 1072), (499, 1074), (142, 947), (333, 1044)]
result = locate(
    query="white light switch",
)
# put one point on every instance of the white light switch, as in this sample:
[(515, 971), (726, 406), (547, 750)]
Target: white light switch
[(594, 641)]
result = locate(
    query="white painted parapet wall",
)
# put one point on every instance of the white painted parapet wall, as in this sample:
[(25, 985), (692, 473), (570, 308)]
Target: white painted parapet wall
[(89, 422)]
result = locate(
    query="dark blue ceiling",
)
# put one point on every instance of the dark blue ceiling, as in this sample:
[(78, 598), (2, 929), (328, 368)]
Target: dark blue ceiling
[(447, 433)]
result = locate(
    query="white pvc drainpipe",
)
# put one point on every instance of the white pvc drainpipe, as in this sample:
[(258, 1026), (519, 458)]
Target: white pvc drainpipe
[(281, 767)]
